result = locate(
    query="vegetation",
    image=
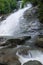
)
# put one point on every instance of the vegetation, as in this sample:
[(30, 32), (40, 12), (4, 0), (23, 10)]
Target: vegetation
[(7, 6), (39, 3), (40, 11)]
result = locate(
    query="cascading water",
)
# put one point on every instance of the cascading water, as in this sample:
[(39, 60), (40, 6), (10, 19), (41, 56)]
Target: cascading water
[(11, 24), (36, 55), (17, 25)]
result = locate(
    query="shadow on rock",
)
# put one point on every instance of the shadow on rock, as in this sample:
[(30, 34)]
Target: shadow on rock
[(14, 42)]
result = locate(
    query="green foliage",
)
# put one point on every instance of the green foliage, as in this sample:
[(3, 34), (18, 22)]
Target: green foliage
[(40, 11), (13, 4), (7, 6), (24, 2), (34, 2)]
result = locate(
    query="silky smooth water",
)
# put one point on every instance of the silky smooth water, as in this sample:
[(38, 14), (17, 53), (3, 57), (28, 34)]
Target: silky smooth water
[(11, 24), (36, 55), (16, 25)]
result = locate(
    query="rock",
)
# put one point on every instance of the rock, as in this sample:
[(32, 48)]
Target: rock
[(39, 41), (11, 42), (2, 18), (14, 42), (34, 4), (13, 60), (3, 63), (14, 63), (9, 56), (35, 62), (31, 13), (10, 61), (24, 51), (2, 39)]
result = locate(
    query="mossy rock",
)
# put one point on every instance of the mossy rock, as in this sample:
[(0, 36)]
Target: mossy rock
[(35, 62)]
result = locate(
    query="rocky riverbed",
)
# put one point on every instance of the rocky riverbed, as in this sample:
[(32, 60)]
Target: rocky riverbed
[(21, 38), (11, 54)]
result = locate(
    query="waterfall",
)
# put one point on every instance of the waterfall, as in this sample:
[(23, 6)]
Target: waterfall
[(36, 55), (11, 24), (20, 4)]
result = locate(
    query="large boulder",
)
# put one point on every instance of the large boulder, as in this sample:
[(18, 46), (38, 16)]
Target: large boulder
[(8, 57), (10, 61), (32, 63), (13, 42), (39, 41)]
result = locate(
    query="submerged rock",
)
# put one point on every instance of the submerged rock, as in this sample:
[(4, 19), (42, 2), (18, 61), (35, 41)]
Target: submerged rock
[(35, 62), (39, 41)]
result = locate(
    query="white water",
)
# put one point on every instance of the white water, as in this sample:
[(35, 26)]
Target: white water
[(11, 24), (36, 55)]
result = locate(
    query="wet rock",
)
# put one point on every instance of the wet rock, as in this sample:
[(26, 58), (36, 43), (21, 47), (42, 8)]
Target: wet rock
[(9, 57), (35, 62), (3, 63), (14, 42), (24, 51), (30, 13), (2, 39), (10, 60), (11, 42), (14, 63), (3, 17), (39, 41)]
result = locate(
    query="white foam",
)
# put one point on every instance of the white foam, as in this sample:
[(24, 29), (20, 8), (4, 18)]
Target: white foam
[(36, 55), (11, 24)]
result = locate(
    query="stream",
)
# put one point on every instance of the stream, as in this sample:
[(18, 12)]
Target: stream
[(18, 25)]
